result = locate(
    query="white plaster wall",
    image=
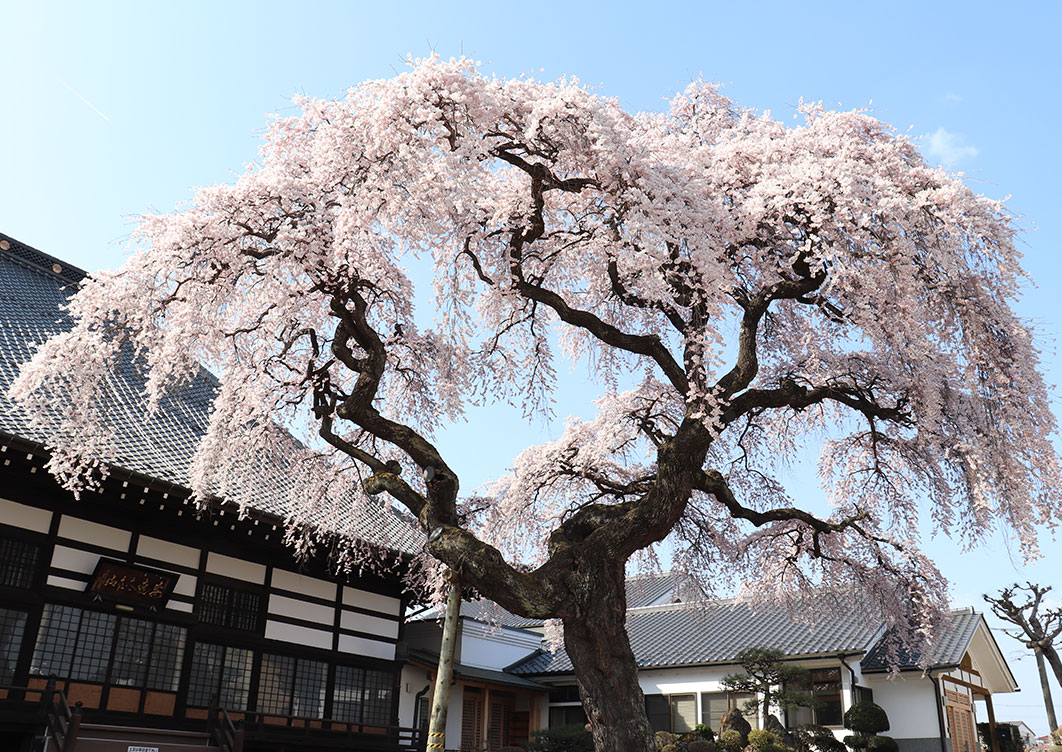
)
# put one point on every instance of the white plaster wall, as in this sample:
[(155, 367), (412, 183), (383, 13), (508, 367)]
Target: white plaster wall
[(910, 703), (453, 716), (414, 679), (494, 647)]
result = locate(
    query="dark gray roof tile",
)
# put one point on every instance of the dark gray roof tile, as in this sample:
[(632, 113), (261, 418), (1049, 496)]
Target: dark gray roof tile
[(950, 643), (699, 633)]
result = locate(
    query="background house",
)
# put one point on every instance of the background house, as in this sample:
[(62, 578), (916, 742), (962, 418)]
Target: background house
[(684, 648)]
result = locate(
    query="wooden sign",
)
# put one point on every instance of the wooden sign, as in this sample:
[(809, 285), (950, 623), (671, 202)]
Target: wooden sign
[(117, 581)]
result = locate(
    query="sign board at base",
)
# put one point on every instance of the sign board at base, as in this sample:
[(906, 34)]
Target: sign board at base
[(134, 748)]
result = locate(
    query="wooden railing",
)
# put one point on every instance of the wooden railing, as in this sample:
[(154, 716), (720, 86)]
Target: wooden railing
[(329, 732), (226, 734), (63, 721)]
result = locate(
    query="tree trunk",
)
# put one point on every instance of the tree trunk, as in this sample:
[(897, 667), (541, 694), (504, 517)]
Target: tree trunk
[(1048, 704), (597, 644)]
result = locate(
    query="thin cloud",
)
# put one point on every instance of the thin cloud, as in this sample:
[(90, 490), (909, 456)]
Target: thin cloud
[(947, 148), (951, 97), (77, 94)]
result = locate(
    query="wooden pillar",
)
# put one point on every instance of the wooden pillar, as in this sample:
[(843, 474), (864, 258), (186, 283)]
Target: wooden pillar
[(441, 696), (993, 740)]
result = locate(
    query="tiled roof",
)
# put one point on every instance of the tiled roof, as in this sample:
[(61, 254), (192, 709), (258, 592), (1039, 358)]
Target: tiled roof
[(645, 590), (950, 643), (486, 675), (641, 591), (699, 633), (33, 289), (490, 612)]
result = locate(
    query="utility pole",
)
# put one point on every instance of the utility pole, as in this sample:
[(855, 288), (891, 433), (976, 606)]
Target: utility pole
[(441, 697)]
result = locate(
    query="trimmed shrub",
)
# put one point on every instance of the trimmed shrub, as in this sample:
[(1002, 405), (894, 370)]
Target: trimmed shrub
[(662, 738), (733, 720), (561, 739), (856, 741), (882, 744), (701, 745), (759, 739), (866, 718), (731, 740), (704, 731), (813, 738)]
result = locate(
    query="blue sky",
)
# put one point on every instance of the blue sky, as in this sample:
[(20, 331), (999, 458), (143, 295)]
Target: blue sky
[(112, 109)]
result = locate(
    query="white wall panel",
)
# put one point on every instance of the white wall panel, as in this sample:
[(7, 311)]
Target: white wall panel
[(371, 624), (28, 518), (63, 582), (237, 569), (300, 583), (372, 601), (84, 531), (313, 638), (74, 559), (185, 585), (175, 553), (279, 604), (362, 646)]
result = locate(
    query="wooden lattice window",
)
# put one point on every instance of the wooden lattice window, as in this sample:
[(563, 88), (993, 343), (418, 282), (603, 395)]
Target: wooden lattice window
[(472, 719)]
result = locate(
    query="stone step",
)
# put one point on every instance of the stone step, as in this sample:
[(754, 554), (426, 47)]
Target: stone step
[(138, 733), (94, 744)]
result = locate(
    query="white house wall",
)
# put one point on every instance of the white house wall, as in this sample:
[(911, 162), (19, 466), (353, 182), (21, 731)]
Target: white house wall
[(494, 647), (911, 704)]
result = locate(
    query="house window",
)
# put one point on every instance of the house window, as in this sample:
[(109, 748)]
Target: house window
[(683, 713), (714, 705), (73, 643), (148, 655), (567, 715), (674, 713), (77, 644), (362, 696), (18, 563), (291, 686), (658, 710), (824, 684), (12, 628), (222, 672), (226, 606), (826, 687), (167, 655), (472, 718)]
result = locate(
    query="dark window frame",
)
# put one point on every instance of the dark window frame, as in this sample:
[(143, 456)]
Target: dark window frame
[(20, 561), (98, 655), (375, 711), (223, 604)]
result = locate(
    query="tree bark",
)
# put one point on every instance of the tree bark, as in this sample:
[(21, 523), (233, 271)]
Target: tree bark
[(1048, 704), (595, 638)]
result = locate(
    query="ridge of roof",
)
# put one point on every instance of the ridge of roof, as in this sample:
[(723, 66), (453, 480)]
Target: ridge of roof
[(39, 261)]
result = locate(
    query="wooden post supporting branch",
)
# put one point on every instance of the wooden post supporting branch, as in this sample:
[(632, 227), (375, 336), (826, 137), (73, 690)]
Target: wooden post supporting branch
[(1046, 688), (441, 697), (993, 739)]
